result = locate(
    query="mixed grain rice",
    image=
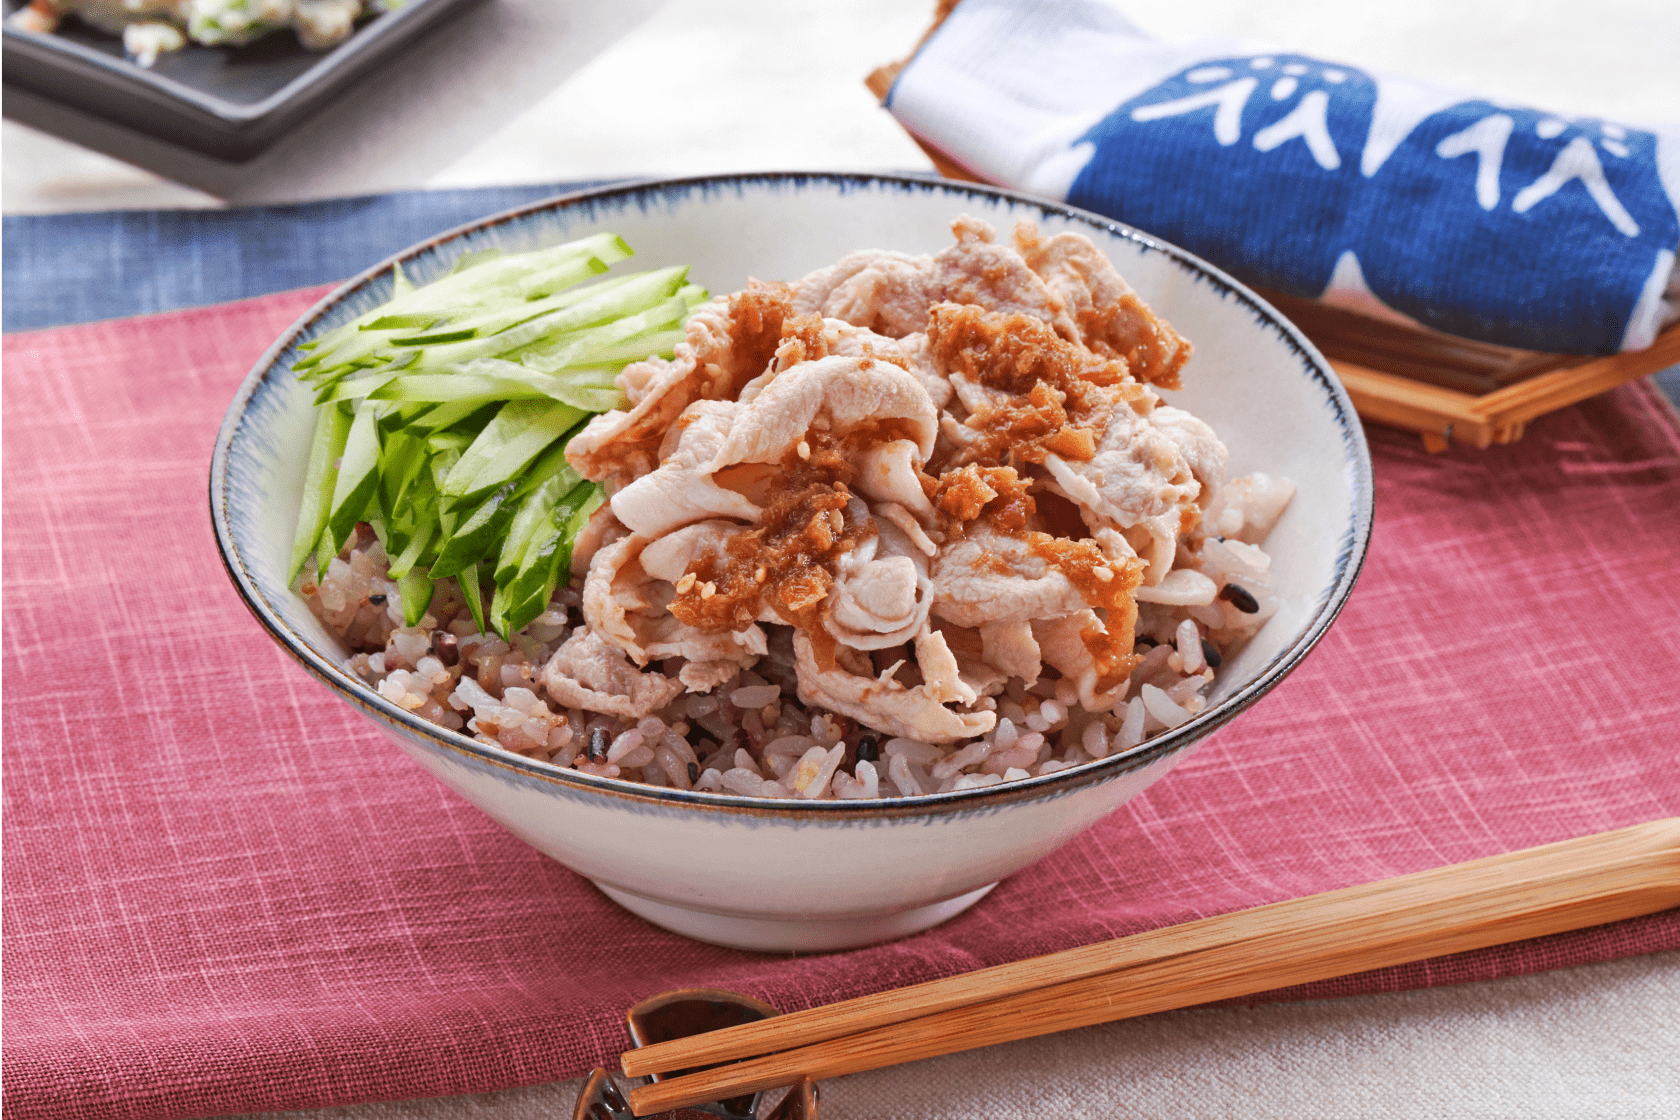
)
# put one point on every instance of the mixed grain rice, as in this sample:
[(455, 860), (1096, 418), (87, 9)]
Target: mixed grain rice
[(752, 736)]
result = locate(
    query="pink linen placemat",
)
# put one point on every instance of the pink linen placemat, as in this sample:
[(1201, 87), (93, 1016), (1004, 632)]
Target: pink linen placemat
[(225, 893)]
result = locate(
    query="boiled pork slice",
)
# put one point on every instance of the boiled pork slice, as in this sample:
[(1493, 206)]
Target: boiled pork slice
[(1111, 319), (990, 577), (892, 293), (586, 672), (681, 490), (886, 704), (729, 342)]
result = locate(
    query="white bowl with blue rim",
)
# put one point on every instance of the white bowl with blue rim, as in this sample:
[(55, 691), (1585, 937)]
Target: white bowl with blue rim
[(818, 875)]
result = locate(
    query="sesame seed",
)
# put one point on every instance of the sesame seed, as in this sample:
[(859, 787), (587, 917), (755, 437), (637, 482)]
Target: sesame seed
[(686, 582), (804, 450), (1210, 655)]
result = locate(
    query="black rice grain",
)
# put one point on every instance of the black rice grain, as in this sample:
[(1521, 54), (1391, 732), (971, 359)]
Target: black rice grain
[(446, 646), (1239, 597), (868, 749), (693, 772)]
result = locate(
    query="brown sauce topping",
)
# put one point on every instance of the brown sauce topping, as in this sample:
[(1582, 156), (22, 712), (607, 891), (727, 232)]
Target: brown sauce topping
[(1084, 566), (787, 562), (758, 315), (1053, 406), (1014, 352), (1111, 650), (801, 341), (1129, 331), (999, 494)]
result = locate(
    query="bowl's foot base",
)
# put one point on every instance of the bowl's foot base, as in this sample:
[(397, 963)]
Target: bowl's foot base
[(815, 935)]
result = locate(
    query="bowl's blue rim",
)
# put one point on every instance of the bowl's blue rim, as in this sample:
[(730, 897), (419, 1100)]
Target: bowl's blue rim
[(1350, 562)]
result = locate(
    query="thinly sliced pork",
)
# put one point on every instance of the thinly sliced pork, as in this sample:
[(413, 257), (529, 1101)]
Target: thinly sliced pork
[(1111, 319), (887, 705), (881, 592), (991, 577), (682, 490), (729, 342), (586, 672)]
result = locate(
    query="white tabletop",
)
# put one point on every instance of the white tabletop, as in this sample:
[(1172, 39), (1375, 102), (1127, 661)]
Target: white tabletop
[(532, 91)]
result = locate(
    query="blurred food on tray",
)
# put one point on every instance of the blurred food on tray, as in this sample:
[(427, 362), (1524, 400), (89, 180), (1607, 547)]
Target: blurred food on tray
[(151, 27)]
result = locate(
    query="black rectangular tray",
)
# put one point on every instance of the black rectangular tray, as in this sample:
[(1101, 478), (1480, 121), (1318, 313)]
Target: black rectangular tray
[(227, 102)]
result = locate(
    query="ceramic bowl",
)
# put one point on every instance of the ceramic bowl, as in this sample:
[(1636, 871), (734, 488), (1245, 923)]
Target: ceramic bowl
[(772, 874)]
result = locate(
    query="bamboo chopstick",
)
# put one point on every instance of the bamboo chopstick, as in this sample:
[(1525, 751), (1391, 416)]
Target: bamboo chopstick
[(1529, 893)]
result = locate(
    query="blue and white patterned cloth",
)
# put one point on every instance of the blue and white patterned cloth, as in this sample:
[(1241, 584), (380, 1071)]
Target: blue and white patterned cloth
[(1387, 195)]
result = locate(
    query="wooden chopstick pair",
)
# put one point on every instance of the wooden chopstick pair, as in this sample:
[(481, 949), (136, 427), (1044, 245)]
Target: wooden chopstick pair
[(1530, 893)]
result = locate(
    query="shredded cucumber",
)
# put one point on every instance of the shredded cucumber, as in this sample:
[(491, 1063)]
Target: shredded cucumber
[(443, 417)]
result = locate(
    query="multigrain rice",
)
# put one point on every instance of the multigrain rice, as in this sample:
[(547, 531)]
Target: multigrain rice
[(752, 736)]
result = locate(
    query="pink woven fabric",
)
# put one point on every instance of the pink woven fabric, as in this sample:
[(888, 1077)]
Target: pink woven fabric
[(225, 893)]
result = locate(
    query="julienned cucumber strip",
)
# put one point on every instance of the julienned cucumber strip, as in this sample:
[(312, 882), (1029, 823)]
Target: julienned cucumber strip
[(420, 321), (474, 259), (477, 532), (519, 433), (581, 347), (592, 501), (453, 440), (332, 427), (437, 388), (358, 474), (416, 591), (517, 311), (484, 380), (472, 590), (434, 304), (628, 298), (590, 399), (480, 282), (449, 416), (417, 545), (545, 545), (402, 458), (532, 510), (642, 346), (548, 559), (384, 352)]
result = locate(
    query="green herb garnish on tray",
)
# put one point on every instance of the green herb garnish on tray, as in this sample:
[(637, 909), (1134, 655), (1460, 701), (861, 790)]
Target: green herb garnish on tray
[(442, 419)]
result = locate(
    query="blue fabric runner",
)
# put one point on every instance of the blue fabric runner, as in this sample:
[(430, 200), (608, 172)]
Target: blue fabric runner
[(78, 268)]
